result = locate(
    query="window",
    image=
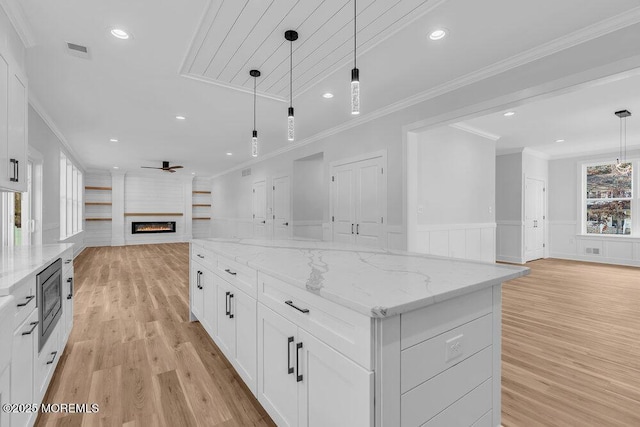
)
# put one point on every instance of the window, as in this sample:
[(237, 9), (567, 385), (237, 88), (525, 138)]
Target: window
[(610, 205), (70, 198)]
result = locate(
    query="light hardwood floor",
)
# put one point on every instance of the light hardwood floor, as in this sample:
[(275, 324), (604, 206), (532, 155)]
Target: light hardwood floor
[(134, 352), (571, 346)]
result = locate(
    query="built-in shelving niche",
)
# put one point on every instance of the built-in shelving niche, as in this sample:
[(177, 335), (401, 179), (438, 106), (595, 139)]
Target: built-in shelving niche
[(97, 209), (201, 206)]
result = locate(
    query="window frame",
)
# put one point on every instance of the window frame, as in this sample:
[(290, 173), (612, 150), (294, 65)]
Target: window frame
[(635, 199), (71, 196)]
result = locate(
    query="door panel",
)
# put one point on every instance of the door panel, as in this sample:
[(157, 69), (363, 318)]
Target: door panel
[(210, 308), (4, 105), (246, 353), (226, 324), (368, 203), (343, 204), (534, 219), (281, 208), (197, 297), (331, 381), (277, 387), (259, 209)]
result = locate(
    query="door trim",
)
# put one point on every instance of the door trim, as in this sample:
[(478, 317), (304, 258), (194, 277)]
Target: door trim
[(355, 159)]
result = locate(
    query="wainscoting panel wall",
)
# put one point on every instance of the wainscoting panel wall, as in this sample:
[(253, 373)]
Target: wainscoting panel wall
[(566, 243), (464, 241), (509, 237)]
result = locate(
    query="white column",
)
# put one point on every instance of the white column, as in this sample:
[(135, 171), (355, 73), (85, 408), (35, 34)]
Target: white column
[(117, 208), (188, 208)]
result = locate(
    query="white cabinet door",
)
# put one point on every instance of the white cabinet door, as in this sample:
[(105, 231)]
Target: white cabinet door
[(281, 208), (226, 314), (245, 329), (277, 386), (67, 305), (25, 343), (6, 170), (333, 391), (259, 203), (196, 291), (18, 131), (209, 301), (5, 394)]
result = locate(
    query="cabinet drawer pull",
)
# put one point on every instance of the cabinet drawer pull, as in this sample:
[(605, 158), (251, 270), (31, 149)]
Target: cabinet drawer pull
[(230, 306), (357, 228), (298, 374), (226, 303), (67, 261), (289, 367), (70, 281), (200, 256), (54, 354), (16, 170), (29, 298), (302, 310), (233, 273), (351, 228), (33, 327)]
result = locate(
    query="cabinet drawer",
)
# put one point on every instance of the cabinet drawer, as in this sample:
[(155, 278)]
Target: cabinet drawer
[(343, 329), (427, 359), (46, 361), (25, 299), (424, 323), (431, 397), (241, 276), (467, 411), (205, 256)]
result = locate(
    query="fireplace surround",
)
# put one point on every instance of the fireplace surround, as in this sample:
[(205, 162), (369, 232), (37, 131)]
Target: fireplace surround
[(150, 227)]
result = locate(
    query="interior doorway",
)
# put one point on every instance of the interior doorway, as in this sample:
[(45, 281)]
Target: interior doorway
[(535, 219), (281, 207)]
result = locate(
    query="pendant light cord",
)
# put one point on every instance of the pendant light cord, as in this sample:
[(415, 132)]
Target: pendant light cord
[(254, 102), (291, 74), (355, 30)]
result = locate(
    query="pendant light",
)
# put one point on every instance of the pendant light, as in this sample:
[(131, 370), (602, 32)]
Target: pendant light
[(254, 140), (622, 167), (291, 36), (355, 73)]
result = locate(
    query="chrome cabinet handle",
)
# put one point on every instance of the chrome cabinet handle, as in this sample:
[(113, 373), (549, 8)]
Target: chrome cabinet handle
[(298, 374), (29, 298), (302, 310), (54, 354), (289, 367), (67, 261), (33, 327)]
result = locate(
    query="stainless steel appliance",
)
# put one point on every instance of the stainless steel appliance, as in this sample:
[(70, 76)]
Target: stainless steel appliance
[(49, 291)]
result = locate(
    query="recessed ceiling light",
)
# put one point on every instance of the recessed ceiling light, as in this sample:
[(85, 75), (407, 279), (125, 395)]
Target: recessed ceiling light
[(510, 113), (229, 154), (181, 117), (438, 34), (193, 173), (113, 140), (328, 95), (119, 33), (116, 167), (559, 140)]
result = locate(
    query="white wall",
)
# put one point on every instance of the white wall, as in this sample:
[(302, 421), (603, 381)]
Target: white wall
[(455, 194), (47, 143), (565, 238), (308, 193)]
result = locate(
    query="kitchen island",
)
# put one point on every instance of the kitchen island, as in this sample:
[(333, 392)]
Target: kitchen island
[(333, 334)]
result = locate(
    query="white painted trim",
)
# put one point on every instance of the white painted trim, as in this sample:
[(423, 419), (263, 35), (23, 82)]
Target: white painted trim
[(35, 104), (603, 260), (475, 131), (448, 227), (509, 259), (17, 18)]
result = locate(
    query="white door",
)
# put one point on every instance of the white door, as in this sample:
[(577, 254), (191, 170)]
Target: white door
[(281, 208), (277, 385), (259, 209), (330, 380), (534, 219), (226, 313), (358, 197), (245, 326)]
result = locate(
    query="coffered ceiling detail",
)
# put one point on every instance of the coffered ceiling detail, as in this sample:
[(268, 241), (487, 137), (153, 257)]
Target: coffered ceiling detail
[(224, 50)]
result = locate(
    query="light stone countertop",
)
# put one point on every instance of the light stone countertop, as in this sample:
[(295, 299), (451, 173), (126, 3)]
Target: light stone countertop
[(375, 282), (18, 262)]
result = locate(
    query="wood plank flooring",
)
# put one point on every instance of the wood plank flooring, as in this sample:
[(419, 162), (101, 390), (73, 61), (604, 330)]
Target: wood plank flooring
[(135, 353), (571, 346)]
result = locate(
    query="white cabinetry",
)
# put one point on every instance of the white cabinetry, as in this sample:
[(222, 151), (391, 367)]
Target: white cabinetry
[(13, 125), (67, 296), (25, 350)]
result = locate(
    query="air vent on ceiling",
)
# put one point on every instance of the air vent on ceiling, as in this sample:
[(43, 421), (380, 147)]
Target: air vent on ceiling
[(78, 50), (246, 172)]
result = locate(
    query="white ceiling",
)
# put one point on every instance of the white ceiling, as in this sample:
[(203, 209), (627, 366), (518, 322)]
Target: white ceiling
[(584, 119), (132, 90)]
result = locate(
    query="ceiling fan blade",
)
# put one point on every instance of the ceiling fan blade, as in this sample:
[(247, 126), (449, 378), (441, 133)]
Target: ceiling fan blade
[(170, 170), (176, 167), (149, 167)]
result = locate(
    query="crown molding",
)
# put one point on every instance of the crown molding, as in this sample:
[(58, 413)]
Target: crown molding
[(475, 131), (35, 104), (16, 16)]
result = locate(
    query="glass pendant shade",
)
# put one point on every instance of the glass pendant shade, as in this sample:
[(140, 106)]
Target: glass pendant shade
[(355, 91), (290, 125), (254, 144)]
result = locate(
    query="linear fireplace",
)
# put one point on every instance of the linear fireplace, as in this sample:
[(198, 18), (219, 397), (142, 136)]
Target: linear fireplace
[(147, 227)]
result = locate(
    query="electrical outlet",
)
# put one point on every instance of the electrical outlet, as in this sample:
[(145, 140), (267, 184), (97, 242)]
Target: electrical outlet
[(454, 347)]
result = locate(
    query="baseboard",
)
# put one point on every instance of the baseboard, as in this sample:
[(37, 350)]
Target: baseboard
[(603, 260), (509, 259)]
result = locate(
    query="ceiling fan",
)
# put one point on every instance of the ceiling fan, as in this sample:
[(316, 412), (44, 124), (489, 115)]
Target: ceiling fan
[(165, 167)]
